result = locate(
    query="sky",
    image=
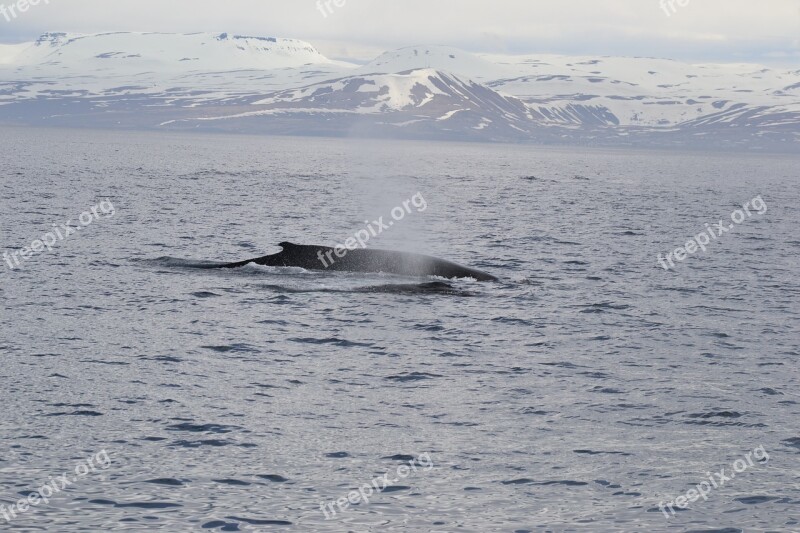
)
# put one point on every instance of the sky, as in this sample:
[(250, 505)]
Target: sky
[(767, 31)]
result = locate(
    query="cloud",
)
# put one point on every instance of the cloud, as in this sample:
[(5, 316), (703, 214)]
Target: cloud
[(729, 30)]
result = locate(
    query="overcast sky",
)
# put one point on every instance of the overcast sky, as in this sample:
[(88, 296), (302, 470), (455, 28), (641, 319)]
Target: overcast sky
[(765, 31)]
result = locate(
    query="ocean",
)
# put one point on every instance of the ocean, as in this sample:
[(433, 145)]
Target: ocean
[(589, 389)]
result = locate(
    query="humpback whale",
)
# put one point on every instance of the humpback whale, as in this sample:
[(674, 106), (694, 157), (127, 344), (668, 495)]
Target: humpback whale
[(363, 260)]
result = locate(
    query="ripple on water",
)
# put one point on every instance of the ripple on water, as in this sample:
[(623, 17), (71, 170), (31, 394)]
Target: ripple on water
[(400, 457), (137, 505), (76, 413), (273, 477), (794, 442), (260, 522), (202, 428), (413, 376), (396, 488), (235, 348), (755, 500), (214, 443), (331, 340), (234, 482), (167, 481)]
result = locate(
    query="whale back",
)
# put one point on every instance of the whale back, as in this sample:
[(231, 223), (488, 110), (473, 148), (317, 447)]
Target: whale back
[(365, 260)]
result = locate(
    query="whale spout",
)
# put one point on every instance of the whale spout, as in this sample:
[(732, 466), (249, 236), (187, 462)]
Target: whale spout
[(363, 260)]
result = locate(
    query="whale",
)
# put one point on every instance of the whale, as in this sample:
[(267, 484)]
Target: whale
[(363, 260)]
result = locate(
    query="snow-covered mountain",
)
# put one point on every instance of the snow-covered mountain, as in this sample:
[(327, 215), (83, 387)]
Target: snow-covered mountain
[(415, 103), (140, 52), (649, 92), (442, 58), (263, 84), (171, 68)]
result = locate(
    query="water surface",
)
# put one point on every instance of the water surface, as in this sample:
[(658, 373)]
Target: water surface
[(575, 394)]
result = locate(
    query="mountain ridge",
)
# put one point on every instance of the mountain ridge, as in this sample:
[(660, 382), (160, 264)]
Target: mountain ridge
[(264, 84)]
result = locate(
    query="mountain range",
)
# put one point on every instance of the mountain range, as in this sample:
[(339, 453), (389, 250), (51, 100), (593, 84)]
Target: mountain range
[(235, 83)]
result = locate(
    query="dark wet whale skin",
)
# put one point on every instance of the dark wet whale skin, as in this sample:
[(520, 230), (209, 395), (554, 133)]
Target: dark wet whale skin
[(364, 260)]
